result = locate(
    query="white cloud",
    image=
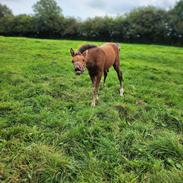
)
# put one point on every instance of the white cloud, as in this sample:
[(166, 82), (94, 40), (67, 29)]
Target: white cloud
[(89, 8)]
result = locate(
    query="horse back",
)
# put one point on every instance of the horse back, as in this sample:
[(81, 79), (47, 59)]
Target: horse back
[(111, 51)]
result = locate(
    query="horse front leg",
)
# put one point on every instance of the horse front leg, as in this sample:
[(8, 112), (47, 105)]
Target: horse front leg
[(92, 77), (95, 89)]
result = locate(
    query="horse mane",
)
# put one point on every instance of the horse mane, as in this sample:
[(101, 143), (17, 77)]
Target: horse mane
[(86, 47)]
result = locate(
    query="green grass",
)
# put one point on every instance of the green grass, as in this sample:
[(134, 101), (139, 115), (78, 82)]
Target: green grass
[(49, 132)]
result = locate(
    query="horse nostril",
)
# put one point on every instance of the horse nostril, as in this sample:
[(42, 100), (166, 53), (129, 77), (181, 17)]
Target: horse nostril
[(77, 69)]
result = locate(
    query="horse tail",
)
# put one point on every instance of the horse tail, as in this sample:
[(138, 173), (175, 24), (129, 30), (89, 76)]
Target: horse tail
[(118, 45)]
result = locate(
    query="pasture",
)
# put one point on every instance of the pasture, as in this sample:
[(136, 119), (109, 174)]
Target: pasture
[(50, 133)]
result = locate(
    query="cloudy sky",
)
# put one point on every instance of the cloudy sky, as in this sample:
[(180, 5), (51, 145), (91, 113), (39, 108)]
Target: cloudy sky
[(89, 8)]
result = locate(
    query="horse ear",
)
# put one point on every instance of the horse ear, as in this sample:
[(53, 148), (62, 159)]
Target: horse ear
[(72, 52), (85, 53)]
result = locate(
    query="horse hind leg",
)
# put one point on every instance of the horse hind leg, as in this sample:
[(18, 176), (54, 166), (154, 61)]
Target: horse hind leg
[(105, 75), (120, 77)]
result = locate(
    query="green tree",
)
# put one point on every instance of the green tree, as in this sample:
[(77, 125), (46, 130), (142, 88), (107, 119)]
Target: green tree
[(103, 27), (6, 19), (120, 28), (98, 28), (71, 27), (178, 9), (6, 25), (86, 29), (147, 24), (176, 22), (48, 19), (23, 25), (5, 11)]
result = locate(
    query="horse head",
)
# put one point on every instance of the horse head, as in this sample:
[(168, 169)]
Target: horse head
[(78, 61)]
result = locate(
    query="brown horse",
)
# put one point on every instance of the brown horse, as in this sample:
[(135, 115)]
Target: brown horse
[(98, 60)]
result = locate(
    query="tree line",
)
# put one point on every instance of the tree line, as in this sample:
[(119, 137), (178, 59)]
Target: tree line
[(142, 25)]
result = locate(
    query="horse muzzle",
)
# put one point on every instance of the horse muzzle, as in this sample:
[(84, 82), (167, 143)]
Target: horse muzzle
[(78, 71), (79, 68)]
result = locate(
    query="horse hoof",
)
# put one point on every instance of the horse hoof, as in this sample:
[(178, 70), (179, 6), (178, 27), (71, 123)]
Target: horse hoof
[(93, 104), (121, 92)]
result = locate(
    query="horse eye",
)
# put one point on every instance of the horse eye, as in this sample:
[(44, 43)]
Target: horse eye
[(72, 61)]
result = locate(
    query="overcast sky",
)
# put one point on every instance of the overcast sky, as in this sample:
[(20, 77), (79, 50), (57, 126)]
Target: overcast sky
[(89, 8)]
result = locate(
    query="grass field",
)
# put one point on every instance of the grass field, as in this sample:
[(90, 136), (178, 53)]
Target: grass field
[(49, 132)]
